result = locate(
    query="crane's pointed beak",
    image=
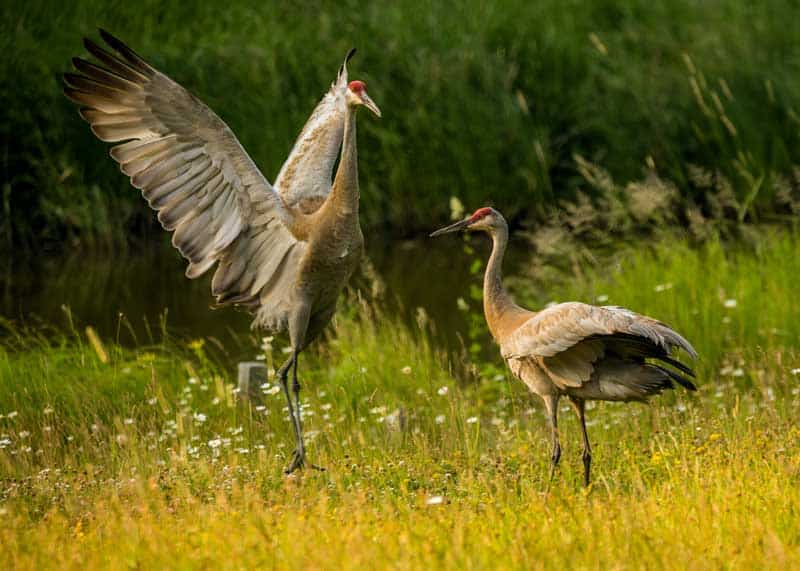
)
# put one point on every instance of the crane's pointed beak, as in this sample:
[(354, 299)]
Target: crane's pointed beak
[(452, 228), (370, 104)]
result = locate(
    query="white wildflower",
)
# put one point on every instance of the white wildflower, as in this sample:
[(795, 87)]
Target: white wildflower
[(602, 298), (434, 501), (729, 303), (442, 391), (200, 417), (662, 287), (472, 420), (439, 419), (406, 370)]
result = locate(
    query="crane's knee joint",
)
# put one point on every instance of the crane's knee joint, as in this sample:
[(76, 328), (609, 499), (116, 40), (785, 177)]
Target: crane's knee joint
[(556, 455)]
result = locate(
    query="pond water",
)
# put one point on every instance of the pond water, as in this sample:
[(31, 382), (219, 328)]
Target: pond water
[(427, 273)]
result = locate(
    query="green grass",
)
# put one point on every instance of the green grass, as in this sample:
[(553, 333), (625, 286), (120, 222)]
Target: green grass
[(149, 461), (488, 102)]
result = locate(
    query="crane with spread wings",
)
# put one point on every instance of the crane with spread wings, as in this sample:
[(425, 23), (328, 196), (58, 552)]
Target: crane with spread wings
[(284, 250)]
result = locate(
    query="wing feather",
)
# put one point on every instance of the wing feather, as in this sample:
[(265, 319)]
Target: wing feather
[(562, 326), (304, 181), (190, 168)]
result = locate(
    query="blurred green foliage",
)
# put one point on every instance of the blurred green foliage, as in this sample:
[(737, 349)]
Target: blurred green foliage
[(490, 102)]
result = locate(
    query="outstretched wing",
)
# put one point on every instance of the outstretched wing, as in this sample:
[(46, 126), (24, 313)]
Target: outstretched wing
[(304, 180), (569, 338), (191, 169)]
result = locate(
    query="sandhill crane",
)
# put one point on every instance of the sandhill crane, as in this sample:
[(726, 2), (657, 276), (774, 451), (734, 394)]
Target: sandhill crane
[(581, 351), (284, 251)]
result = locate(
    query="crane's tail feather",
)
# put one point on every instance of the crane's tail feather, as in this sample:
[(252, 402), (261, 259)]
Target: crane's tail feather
[(678, 365), (682, 381)]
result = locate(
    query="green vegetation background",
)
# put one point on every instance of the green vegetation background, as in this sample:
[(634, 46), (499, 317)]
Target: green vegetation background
[(491, 102)]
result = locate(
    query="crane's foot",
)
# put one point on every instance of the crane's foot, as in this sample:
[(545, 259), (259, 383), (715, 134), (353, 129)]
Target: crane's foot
[(299, 462)]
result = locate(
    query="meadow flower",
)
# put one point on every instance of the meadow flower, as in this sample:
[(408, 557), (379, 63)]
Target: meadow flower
[(602, 298), (406, 370), (729, 303), (434, 501), (439, 419), (48, 410), (24, 434), (795, 371), (12, 414), (273, 390), (472, 420), (662, 287), (199, 417), (128, 421), (442, 391)]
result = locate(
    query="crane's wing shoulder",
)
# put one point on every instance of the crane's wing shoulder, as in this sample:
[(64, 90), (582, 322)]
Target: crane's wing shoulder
[(305, 179), (562, 326), (190, 168)]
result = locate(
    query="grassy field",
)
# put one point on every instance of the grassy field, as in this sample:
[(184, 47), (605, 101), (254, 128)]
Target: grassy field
[(144, 457), (488, 102)]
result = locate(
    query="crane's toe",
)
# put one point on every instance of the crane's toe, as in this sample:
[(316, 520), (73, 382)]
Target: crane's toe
[(298, 461)]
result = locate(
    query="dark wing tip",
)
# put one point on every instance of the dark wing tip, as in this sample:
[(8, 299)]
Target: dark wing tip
[(351, 52)]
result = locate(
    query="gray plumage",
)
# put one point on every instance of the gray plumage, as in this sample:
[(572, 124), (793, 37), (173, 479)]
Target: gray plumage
[(277, 249), (580, 351)]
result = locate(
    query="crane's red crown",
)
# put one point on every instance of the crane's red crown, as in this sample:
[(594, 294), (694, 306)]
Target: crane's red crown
[(357, 86), (480, 213)]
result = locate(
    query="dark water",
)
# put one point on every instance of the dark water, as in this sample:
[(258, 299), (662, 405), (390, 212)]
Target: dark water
[(148, 285)]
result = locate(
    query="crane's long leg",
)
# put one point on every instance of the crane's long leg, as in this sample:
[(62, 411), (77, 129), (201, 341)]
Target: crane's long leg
[(298, 326), (580, 408), (551, 403), (298, 457)]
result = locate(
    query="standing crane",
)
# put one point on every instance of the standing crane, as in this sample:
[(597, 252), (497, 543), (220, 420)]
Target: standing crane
[(580, 351), (285, 251)]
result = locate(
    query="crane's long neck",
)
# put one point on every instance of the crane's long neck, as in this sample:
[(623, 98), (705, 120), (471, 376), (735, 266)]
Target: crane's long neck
[(345, 193), (497, 304)]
